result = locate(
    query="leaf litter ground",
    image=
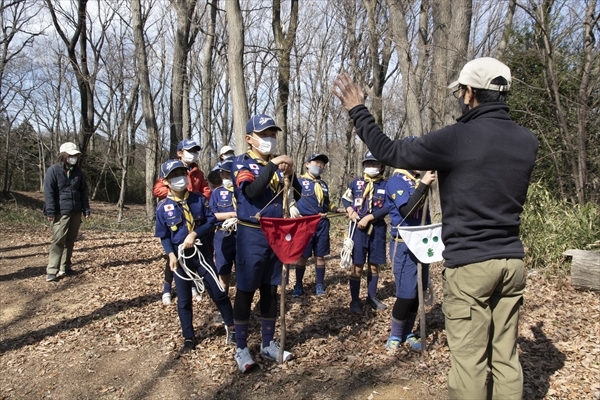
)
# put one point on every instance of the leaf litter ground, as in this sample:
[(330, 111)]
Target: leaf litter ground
[(104, 333)]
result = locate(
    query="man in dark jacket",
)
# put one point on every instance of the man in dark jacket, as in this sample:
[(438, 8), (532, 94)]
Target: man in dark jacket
[(484, 162), (65, 201)]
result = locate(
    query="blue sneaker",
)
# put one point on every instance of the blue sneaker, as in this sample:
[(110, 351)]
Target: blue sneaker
[(415, 344), (298, 291), (320, 289), (393, 343)]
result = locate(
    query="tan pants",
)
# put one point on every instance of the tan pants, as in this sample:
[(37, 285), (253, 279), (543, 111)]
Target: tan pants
[(481, 309), (64, 232)]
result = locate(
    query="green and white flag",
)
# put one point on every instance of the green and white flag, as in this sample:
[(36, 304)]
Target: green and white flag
[(425, 241)]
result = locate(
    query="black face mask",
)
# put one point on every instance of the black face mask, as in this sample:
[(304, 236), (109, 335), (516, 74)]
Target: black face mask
[(463, 107)]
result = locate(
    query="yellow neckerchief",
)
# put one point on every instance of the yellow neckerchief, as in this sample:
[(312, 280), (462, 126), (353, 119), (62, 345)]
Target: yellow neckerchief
[(318, 187), (187, 214), (230, 188), (409, 174), (274, 182), (368, 193)]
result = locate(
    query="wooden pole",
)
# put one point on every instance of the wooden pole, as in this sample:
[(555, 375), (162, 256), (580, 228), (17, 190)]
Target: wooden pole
[(420, 291), (284, 273)]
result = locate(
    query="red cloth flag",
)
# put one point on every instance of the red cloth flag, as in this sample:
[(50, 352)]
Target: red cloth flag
[(288, 237)]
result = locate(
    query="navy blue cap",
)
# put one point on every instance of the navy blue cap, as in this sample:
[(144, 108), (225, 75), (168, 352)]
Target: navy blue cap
[(317, 156), (170, 166), (259, 123), (187, 144), (369, 156), (226, 165)]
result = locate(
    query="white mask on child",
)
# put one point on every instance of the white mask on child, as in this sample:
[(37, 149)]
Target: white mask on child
[(72, 160), (188, 157), (315, 170), (227, 183), (372, 171), (178, 183), (266, 145)]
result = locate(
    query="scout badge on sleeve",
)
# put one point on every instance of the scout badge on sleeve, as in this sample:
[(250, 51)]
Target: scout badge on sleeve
[(425, 241)]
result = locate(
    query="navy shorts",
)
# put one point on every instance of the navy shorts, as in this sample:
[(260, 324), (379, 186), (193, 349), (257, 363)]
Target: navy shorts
[(319, 242), (224, 251), (370, 247), (405, 271), (255, 261)]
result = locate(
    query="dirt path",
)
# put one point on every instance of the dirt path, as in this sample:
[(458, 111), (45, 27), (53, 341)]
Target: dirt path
[(104, 333)]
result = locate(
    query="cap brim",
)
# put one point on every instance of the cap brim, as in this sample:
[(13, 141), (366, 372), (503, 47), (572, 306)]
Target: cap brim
[(453, 85), (73, 152), (264, 129), (321, 157), (190, 148)]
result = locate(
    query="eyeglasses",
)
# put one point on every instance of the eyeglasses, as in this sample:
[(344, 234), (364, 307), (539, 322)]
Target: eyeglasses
[(456, 93)]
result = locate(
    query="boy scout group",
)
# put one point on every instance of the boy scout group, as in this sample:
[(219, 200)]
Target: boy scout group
[(209, 227)]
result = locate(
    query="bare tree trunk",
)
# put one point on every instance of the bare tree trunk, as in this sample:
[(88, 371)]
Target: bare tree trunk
[(184, 38), (147, 104), (127, 123), (236, 72), (512, 5), (207, 79), (284, 43)]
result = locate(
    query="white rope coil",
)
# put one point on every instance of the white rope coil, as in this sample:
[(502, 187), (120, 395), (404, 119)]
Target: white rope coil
[(229, 225), (347, 247), (193, 275)]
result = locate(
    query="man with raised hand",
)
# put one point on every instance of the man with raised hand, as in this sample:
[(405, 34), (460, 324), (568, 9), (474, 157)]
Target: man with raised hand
[(484, 164)]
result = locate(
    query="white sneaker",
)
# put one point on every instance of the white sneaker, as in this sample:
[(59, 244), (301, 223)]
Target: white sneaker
[(195, 294), (244, 359), (272, 352), (166, 298)]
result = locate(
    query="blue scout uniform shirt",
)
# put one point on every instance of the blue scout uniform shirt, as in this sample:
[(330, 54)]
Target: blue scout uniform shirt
[(374, 203), (400, 187), (170, 221), (221, 200), (245, 169), (308, 204)]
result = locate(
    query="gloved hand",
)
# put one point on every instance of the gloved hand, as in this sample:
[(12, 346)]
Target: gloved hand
[(294, 213)]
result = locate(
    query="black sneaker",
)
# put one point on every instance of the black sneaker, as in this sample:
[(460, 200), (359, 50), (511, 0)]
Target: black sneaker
[(376, 304), (189, 344), (51, 278), (355, 307)]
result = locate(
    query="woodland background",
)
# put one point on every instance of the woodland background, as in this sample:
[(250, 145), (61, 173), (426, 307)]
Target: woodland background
[(128, 80)]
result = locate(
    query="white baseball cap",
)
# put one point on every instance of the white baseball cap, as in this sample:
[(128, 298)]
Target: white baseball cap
[(225, 149), (70, 148), (480, 72)]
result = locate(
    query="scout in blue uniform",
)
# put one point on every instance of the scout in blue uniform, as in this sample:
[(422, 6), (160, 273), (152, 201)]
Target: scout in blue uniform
[(364, 202), (181, 218), (222, 204), (314, 200), (405, 195), (258, 179)]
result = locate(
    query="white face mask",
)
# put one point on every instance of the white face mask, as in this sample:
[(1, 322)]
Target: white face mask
[(72, 160), (372, 171), (266, 145), (188, 157), (227, 182), (315, 170), (178, 183)]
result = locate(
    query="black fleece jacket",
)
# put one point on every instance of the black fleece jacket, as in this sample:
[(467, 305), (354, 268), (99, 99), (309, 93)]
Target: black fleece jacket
[(62, 195), (484, 164)]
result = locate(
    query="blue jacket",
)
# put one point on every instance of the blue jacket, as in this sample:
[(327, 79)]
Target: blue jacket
[(308, 204), (373, 204), (65, 195), (221, 200)]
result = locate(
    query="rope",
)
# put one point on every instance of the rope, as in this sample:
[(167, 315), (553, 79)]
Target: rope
[(347, 247), (229, 226), (192, 275)]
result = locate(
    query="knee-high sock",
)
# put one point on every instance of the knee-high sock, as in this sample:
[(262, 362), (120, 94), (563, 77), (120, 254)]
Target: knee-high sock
[(320, 273), (372, 284), (300, 269), (267, 330), (354, 288)]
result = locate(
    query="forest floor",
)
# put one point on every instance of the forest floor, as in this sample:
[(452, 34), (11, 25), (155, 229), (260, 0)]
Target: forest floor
[(105, 334)]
